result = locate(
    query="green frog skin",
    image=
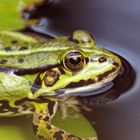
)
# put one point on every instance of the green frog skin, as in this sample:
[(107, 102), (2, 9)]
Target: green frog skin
[(35, 76)]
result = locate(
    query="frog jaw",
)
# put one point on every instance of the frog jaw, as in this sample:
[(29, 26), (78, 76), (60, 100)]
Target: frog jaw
[(100, 77), (90, 89)]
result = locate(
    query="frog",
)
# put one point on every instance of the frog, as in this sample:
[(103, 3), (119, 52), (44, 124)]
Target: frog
[(36, 76)]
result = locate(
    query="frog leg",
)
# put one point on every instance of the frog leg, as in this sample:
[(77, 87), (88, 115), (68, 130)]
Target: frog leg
[(42, 123)]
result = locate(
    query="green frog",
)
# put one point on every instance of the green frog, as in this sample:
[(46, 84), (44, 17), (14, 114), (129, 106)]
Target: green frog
[(37, 76)]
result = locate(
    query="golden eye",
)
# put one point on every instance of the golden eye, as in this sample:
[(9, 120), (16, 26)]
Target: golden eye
[(74, 61)]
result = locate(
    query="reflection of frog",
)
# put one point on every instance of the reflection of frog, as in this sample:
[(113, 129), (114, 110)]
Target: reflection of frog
[(34, 76)]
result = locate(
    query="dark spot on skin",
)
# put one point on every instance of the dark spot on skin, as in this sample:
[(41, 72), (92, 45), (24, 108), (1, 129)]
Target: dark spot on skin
[(30, 83), (76, 41), (21, 60), (7, 49), (25, 107), (102, 76), (61, 70), (40, 117), (89, 41), (46, 119), (4, 61), (116, 64), (18, 102), (58, 135), (102, 59), (38, 100), (41, 111), (30, 71), (80, 83), (23, 48), (51, 105), (14, 41), (36, 85), (5, 105)]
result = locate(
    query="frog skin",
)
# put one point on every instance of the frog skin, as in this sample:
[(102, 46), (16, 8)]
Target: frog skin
[(35, 76)]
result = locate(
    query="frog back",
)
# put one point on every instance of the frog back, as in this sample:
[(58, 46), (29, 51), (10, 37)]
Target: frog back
[(20, 51)]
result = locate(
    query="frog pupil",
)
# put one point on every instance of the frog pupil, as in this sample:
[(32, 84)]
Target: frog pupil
[(75, 60)]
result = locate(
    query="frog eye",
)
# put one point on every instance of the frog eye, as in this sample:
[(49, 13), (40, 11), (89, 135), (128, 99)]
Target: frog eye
[(74, 61), (82, 38)]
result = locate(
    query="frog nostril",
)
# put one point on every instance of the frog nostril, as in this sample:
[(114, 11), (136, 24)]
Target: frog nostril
[(102, 59)]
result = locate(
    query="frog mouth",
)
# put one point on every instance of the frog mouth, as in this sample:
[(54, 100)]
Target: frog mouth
[(88, 90)]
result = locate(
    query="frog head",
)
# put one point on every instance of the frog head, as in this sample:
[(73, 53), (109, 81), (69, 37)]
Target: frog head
[(83, 69)]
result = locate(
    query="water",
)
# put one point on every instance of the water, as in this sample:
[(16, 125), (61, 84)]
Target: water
[(115, 114)]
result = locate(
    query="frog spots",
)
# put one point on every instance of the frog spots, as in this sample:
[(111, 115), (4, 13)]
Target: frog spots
[(20, 60), (105, 74), (58, 135), (23, 48), (116, 64), (51, 107), (3, 61), (37, 84), (81, 83), (75, 41), (61, 135), (5, 107), (8, 49), (51, 77), (14, 42)]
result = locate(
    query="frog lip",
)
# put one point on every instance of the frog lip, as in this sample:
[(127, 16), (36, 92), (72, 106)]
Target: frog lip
[(83, 91), (88, 90)]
